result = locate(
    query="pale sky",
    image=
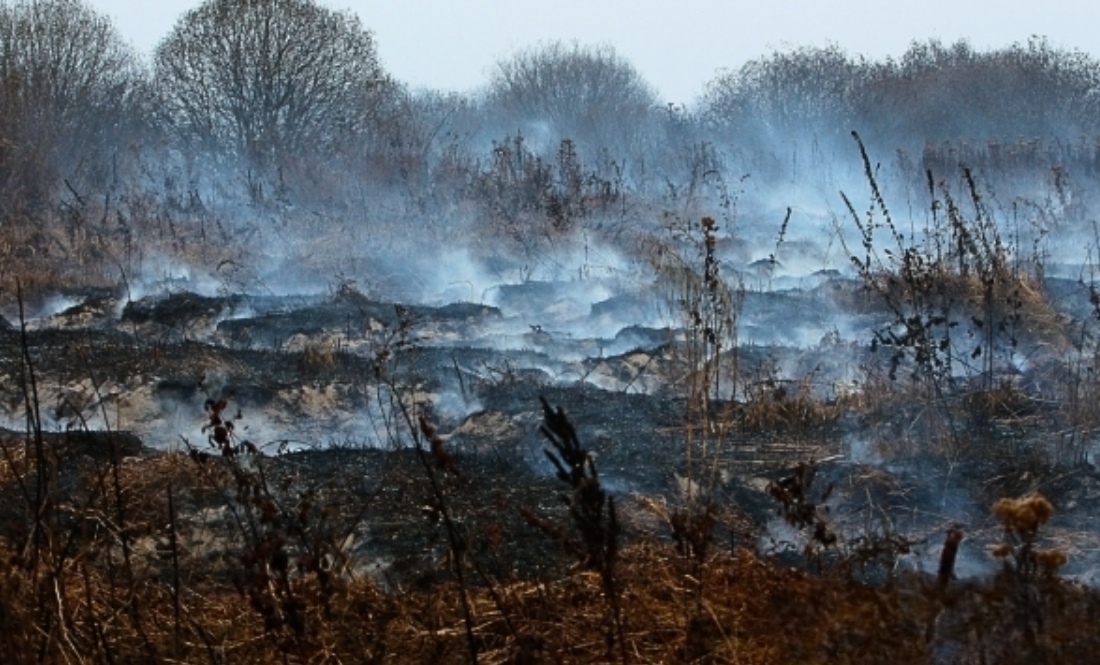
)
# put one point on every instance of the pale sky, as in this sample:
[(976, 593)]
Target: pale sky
[(677, 45)]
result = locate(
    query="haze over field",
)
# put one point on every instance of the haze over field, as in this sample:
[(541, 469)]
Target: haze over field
[(677, 46), (310, 163), (309, 318)]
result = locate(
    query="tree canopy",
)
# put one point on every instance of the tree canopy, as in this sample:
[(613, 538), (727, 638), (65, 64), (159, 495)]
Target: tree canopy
[(934, 92), (267, 78), (589, 94), (67, 86)]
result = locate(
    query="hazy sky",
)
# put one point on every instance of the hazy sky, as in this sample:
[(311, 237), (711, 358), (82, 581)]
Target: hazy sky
[(677, 45)]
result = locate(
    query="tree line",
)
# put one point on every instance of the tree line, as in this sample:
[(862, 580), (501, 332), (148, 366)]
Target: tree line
[(290, 93)]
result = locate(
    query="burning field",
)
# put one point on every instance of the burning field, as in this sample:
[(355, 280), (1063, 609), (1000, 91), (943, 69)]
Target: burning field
[(684, 468), (301, 365)]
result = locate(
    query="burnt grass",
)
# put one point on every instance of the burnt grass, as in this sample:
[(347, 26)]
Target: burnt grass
[(373, 510)]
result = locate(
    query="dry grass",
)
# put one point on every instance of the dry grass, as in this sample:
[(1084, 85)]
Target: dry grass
[(102, 241), (1016, 295), (318, 358), (751, 611), (170, 600), (204, 558), (787, 407)]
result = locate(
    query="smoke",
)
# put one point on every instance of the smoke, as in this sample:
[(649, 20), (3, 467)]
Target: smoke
[(53, 305), (453, 275), (164, 275), (455, 405), (566, 259)]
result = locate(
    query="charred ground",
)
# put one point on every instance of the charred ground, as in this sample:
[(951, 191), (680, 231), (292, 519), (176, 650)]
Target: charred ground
[(318, 501)]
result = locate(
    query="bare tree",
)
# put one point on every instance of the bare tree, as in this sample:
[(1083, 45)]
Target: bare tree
[(266, 78), (69, 87), (806, 92), (934, 92), (588, 94), (937, 92)]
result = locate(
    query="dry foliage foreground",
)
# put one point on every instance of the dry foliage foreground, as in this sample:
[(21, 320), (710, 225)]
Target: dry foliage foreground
[(228, 556)]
